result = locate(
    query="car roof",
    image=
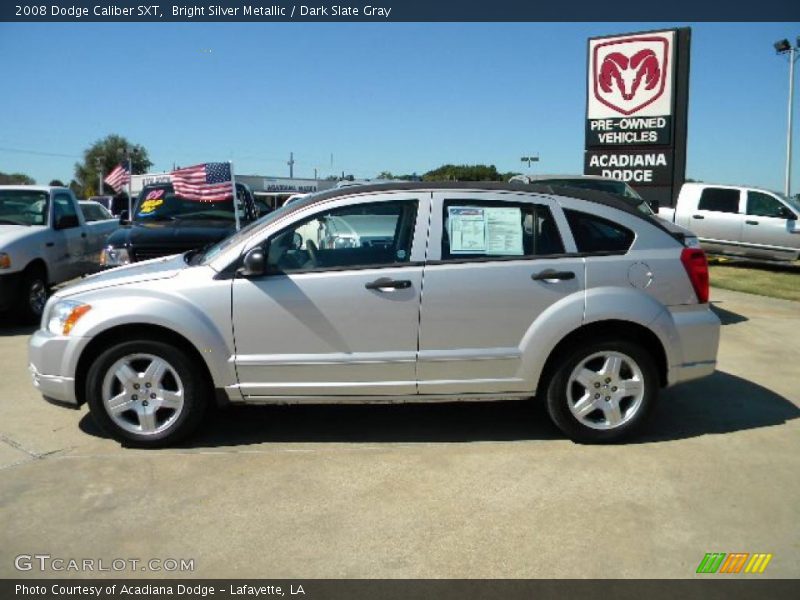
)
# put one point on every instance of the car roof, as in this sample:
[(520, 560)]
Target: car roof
[(33, 188)]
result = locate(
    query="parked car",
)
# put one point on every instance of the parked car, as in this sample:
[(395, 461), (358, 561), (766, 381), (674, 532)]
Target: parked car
[(582, 301), (739, 221), (165, 223), (94, 211), (590, 182), (116, 205), (44, 240)]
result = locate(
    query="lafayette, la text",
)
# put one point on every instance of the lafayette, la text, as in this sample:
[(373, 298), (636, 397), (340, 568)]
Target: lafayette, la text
[(277, 10)]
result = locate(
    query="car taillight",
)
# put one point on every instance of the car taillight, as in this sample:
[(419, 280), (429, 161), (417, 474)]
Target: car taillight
[(696, 265)]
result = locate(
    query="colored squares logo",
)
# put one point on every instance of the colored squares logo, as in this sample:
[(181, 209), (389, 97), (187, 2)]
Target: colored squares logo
[(735, 562)]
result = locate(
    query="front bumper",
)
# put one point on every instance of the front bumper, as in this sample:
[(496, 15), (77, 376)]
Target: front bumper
[(696, 341), (52, 361)]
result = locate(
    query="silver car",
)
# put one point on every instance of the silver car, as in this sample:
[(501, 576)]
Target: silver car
[(413, 292)]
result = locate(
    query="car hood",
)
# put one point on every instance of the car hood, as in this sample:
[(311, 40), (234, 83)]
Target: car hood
[(12, 233), (148, 270), (181, 232)]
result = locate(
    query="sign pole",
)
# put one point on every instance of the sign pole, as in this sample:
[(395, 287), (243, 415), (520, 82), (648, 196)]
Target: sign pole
[(235, 199)]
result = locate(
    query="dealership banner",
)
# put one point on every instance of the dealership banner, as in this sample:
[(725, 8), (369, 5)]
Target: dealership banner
[(398, 11), (398, 589), (636, 110)]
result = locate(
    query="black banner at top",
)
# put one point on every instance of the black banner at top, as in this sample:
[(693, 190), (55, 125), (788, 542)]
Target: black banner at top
[(396, 11)]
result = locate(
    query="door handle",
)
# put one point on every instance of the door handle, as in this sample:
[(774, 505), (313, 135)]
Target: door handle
[(752, 222), (385, 283), (698, 217), (551, 275)]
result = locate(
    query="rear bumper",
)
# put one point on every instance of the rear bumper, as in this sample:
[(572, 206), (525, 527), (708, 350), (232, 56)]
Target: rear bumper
[(695, 341)]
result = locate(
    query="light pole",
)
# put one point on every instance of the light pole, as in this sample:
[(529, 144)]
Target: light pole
[(785, 47), (530, 159)]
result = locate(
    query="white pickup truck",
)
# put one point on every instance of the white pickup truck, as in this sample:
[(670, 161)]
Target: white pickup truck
[(739, 221), (44, 240)]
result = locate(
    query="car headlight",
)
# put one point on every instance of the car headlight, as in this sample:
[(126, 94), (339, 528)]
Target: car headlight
[(5, 261), (64, 315), (114, 257)]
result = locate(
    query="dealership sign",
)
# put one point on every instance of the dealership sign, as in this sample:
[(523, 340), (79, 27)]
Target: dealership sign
[(636, 110)]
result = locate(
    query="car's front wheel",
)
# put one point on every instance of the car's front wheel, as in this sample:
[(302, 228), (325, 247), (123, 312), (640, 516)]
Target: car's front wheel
[(602, 391), (33, 295), (146, 393)]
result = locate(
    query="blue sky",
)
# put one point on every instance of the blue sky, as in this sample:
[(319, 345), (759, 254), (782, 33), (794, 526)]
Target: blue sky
[(400, 97)]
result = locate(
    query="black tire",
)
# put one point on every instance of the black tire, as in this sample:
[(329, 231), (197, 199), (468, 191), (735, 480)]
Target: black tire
[(196, 394), (558, 402), (33, 292)]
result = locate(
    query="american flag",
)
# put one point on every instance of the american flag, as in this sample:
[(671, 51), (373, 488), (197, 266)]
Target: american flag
[(209, 182), (119, 177)]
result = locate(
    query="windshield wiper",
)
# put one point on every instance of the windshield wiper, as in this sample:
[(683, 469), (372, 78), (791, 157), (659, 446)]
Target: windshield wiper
[(194, 256)]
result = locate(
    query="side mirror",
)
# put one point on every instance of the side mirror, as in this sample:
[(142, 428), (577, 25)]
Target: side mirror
[(785, 213), (123, 216), (254, 263), (654, 205), (67, 222)]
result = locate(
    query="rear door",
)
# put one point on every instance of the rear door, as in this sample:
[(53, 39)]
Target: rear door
[(718, 218), (69, 239), (496, 261)]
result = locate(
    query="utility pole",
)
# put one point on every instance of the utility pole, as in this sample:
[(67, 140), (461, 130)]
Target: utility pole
[(784, 47), (99, 164), (291, 165)]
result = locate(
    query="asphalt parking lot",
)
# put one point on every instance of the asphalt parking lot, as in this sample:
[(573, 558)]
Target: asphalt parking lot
[(471, 490)]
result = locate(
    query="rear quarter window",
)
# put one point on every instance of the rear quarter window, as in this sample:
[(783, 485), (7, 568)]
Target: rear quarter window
[(596, 235)]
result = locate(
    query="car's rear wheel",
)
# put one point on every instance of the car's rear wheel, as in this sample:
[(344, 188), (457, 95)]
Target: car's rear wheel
[(602, 391), (146, 393)]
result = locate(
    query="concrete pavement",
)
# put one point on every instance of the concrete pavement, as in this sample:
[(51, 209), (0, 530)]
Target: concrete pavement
[(471, 490)]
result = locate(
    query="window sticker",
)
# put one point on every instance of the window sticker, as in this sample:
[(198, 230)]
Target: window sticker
[(494, 231), (467, 229), (504, 231)]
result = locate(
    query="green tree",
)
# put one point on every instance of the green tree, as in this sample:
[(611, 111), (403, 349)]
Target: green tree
[(56, 182), (110, 151), (463, 173), (77, 189), (16, 179)]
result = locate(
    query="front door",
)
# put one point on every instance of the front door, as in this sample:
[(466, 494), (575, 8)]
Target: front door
[(337, 313), (497, 265), (767, 230)]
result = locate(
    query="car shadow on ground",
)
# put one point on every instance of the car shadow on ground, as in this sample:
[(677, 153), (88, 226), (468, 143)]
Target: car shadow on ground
[(10, 325), (721, 403), (727, 317)]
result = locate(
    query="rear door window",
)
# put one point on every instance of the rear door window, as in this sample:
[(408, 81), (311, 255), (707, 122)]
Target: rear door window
[(719, 200), (596, 235), (478, 229)]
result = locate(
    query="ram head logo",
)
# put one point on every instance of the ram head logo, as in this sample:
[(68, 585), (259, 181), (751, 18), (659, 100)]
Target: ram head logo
[(630, 74)]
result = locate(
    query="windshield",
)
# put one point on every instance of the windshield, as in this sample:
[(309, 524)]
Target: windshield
[(23, 207), (161, 203)]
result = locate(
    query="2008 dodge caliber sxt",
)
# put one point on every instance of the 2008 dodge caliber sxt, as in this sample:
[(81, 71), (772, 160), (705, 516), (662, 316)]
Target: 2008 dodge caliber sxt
[(394, 292)]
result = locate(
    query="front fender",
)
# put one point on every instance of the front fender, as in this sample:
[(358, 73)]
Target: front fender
[(210, 336)]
